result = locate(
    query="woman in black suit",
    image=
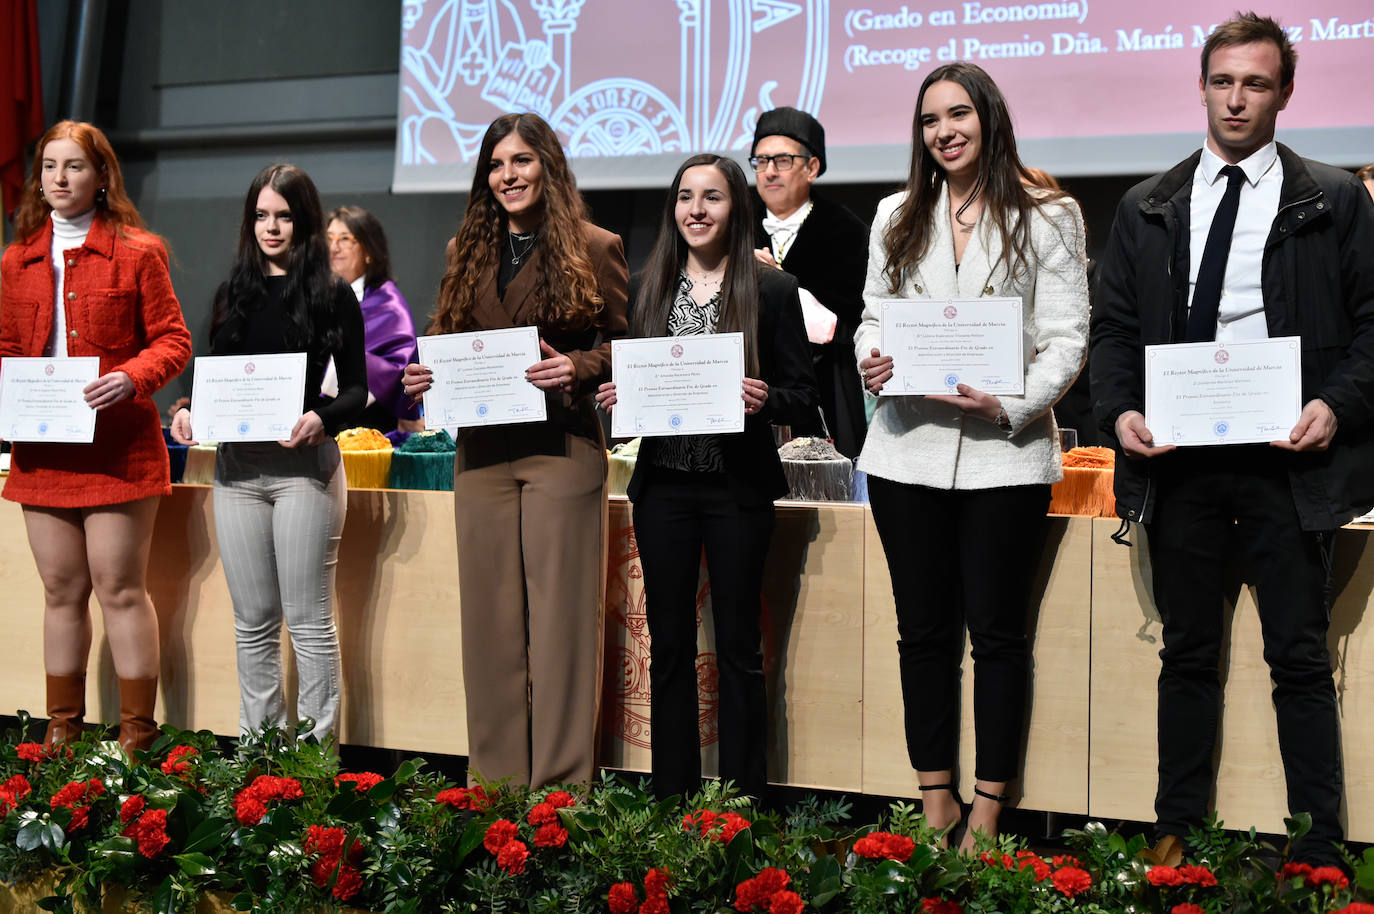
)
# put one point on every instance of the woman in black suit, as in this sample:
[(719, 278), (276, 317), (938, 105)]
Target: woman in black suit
[(714, 491)]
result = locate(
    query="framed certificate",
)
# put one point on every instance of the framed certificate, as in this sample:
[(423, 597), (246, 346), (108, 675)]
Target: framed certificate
[(479, 378), (678, 385), (937, 345), (240, 398), (42, 399), (1242, 392)]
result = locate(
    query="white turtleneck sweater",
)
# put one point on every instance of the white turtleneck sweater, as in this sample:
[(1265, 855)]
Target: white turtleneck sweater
[(66, 235)]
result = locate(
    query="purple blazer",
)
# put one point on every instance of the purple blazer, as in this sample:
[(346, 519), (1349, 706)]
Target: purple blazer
[(389, 337)]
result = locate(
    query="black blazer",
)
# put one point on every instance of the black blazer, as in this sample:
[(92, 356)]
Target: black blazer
[(752, 466)]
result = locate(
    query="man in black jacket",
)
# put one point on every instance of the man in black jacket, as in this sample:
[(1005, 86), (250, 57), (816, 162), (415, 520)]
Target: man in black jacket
[(1297, 263), (825, 246)]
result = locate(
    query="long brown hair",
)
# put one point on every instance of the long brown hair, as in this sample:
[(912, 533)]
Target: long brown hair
[(739, 292), (1001, 181), (113, 206), (566, 294)]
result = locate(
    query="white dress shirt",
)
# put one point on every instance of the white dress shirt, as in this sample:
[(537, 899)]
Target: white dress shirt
[(782, 232), (1241, 314)]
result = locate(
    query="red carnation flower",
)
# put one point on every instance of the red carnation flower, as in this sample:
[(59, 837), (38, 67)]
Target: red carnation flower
[(1164, 875), (512, 856), (542, 814), (560, 799), (655, 904), (248, 809), (756, 893), (1356, 907), (321, 871), (1186, 907), (348, 883), (130, 808), (499, 834), (997, 858), (178, 760), (550, 834), (703, 820), (786, 902), (1295, 870), (1328, 875), (76, 796), (1071, 880), (12, 792), (656, 881), (1033, 861), (250, 803), (1197, 875), (325, 840), (734, 823), (472, 798), (31, 752), (150, 831), (362, 782), (940, 906), (17, 785), (622, 898), (885, 845)]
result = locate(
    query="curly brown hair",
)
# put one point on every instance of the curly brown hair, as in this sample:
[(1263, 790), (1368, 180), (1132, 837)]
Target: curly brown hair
[(566, 294), (114, 205)]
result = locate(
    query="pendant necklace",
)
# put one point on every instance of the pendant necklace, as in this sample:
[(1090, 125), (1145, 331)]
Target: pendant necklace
[(527, 240)]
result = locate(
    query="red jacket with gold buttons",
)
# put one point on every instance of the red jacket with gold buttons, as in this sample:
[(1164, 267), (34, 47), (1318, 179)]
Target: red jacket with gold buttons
[(119, 306)]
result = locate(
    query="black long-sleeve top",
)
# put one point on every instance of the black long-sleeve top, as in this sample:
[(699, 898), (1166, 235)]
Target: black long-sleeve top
[(264, 329)]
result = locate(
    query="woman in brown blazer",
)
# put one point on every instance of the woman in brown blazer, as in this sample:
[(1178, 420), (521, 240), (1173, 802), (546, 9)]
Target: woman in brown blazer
[(531, 499)]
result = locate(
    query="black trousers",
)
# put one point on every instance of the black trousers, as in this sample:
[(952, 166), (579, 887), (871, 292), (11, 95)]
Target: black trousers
[(1213, 501), (674, 518), (961, 557)]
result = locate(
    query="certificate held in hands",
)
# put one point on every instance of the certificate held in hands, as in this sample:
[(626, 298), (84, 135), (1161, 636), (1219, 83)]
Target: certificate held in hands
[(479, 378), (938, 345), (241, 398), (678, 385), (42, 399), (1242, 392)]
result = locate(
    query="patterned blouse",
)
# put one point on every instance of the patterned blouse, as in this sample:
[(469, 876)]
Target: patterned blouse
[(691, 453)]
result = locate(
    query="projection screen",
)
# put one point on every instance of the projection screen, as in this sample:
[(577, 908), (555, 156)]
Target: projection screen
[(634, 86)]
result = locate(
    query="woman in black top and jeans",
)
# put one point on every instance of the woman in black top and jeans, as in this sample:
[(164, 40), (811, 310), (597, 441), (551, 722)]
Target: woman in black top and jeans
[(279, 506)]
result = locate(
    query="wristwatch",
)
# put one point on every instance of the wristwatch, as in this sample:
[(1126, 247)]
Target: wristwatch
[(1002, 421)]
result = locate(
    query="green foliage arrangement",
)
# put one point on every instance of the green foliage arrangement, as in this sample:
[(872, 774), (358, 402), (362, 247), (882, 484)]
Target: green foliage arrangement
[(275, 826)]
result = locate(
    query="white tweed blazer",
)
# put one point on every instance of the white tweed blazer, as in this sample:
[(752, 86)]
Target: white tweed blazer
[(925, 442)]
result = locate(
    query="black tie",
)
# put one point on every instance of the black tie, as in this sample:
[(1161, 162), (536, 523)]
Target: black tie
[(1202, 316)]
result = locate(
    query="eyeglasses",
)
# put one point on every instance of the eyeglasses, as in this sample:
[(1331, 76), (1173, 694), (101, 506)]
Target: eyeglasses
[(347, 241), (782, 161)]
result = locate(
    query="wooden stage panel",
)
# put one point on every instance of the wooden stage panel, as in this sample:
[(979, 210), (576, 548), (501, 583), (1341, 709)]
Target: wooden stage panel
[(830, 633), (1055, 772), (1250, 786)]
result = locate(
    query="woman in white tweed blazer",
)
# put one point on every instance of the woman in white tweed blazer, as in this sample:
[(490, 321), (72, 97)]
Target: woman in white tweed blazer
[(959, 484)]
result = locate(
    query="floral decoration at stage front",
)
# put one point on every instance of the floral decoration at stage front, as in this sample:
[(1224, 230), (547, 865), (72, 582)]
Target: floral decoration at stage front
[(275, 826)]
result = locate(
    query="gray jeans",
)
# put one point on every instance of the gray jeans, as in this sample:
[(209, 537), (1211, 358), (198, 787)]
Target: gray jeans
[(279, 516)]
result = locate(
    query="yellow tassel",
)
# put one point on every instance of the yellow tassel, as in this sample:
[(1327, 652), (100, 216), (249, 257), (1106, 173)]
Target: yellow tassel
[(200, 465), (366, 457)]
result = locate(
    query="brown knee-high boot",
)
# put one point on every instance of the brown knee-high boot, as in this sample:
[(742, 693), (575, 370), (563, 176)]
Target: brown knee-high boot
[(66, 708), (137, 699)]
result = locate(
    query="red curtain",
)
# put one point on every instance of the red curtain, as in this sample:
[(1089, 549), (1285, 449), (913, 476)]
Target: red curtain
[(21, 93)]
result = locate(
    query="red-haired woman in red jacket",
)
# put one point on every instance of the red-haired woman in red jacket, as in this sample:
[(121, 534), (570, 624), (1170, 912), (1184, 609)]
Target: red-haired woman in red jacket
[(85, 278)]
